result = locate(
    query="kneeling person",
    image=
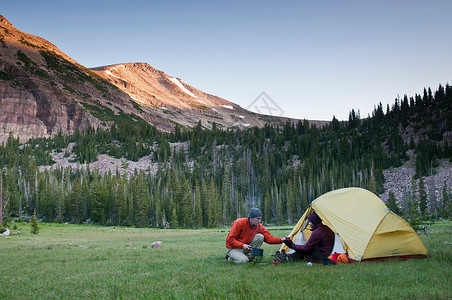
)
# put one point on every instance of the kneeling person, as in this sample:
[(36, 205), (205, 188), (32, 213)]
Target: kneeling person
[(247, 233), (319, 245)]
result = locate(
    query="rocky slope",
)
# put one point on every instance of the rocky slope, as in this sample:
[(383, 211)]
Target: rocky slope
[(43, 91), (169, 97), (399, 181)]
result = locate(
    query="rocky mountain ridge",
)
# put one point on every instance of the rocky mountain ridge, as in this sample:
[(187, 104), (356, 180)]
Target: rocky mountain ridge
[(43, 92), (165, 95)]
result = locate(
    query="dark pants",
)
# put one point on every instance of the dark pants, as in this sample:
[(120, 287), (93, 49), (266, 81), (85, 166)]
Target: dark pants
[(315, 254)]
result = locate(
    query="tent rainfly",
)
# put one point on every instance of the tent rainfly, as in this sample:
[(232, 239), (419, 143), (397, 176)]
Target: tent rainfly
[(365, 228)]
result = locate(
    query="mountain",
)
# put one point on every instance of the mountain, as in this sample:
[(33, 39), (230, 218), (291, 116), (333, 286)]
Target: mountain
[(169, 97), (43, 92)]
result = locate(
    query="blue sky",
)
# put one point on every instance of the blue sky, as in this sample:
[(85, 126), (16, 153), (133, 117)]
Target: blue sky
[(314, 59)]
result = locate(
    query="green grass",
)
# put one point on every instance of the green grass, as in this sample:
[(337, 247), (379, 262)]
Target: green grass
[(92, 262)]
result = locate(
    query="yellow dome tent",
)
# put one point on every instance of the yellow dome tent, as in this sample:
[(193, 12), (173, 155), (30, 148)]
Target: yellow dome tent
[(365, 228)]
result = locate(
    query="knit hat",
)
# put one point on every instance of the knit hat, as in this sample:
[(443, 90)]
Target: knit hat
[(314, 219), (255, 213)]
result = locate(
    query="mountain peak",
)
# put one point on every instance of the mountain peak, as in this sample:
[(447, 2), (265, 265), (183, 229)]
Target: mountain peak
[(5, 23), (43, 91)]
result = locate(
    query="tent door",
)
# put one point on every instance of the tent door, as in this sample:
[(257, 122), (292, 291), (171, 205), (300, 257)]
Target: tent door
[(299, 240), (337, 245)]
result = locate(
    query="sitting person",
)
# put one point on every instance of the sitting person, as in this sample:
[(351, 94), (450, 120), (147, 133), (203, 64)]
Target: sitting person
[(245, 234), (319, 245)]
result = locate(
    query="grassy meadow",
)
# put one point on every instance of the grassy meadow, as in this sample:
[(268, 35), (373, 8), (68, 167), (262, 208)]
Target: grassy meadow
[(93, 262)]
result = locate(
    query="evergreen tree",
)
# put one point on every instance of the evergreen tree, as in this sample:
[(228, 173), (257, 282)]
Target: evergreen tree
[(11, 179), (174, 222), (86, 192), (214, 205), (412, 213), (186, 204), (279, 207), (205, 205), (60, 203), (432, 207), (34, 223), (304, 197), (227, 195), (119, 214), (76, 202), (198, 207), (446, 206), (290, 202), (97, 193), (266, 207), (158, 213), (422, 198), (141, 198), (373, 182), (392, 203)]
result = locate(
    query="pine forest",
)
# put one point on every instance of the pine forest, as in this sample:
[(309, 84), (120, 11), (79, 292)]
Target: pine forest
[(210, 177)]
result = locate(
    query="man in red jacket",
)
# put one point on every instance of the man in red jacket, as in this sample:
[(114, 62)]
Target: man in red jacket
[(247, 233)]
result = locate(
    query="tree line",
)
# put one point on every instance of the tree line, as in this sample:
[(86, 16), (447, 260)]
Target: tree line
[(209, 177)]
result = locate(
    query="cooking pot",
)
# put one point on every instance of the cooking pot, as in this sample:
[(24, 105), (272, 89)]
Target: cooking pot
[(257, 251)]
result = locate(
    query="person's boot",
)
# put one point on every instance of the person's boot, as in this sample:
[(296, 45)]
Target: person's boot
[(281, 256)]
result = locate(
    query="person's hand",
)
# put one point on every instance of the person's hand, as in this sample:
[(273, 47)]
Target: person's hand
[(246, 247), (285, 239), (288, 242)]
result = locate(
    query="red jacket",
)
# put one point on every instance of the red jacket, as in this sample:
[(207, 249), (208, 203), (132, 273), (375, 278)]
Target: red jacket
[(242, 233)]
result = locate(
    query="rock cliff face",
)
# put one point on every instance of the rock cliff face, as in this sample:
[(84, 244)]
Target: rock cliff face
[(43, 91)]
